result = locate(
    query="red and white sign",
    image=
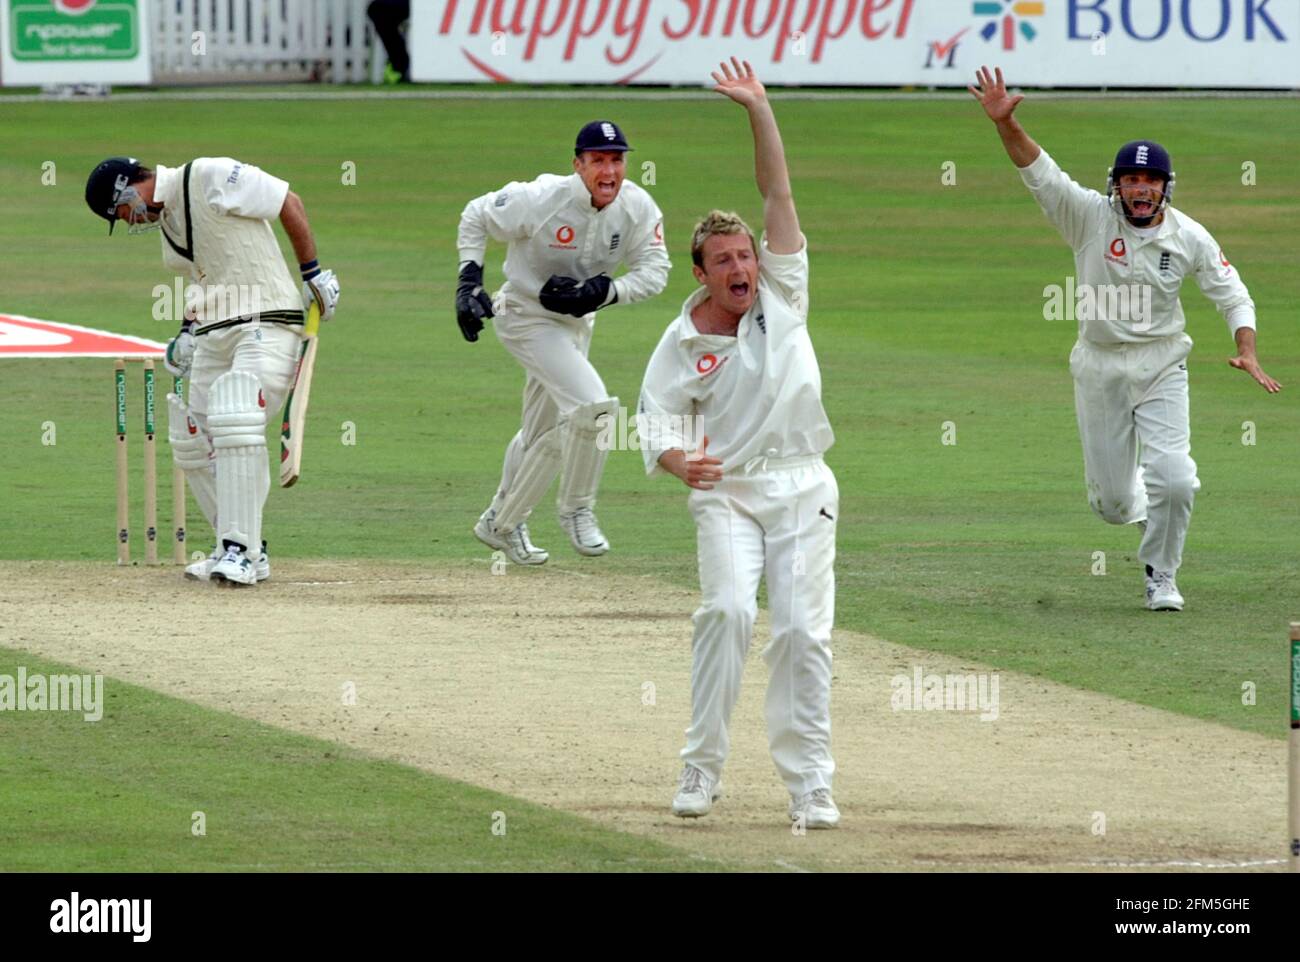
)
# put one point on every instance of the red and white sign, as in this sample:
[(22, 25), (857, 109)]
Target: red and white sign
[(31, 337), (933, 43)]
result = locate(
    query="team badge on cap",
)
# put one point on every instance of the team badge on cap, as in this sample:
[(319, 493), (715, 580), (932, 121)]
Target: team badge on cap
[(600, 135)]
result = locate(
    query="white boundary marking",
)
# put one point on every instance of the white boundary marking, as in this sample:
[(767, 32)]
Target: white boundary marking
[(601, 93)]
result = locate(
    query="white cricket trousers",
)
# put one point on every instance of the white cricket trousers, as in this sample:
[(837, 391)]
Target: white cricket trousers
[(777, 522), (269, 351), (1131, 401), (559, 378)]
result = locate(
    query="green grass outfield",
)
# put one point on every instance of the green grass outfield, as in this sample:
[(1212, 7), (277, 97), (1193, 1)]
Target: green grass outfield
[(926, 308), (111, 795)]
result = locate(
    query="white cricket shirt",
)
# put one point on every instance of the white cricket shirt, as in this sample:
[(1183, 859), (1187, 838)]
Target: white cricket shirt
[(551, 228), (219, 233), (1109, 253), (758, 394)]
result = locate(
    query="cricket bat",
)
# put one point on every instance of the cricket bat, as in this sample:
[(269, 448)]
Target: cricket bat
[(295, 406)]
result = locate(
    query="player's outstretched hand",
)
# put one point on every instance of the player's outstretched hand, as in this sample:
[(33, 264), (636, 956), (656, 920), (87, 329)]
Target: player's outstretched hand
[(992, 95), (738, 82), (1249, 364)]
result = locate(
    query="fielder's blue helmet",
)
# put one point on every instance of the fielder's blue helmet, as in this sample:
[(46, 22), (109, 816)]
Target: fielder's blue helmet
[(1142, 155), (1138, 156)]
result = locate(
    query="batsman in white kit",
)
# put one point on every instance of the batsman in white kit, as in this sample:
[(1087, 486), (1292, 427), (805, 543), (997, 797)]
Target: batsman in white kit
[(240, 335), (740, 360), (565, 236), (1132, 251)]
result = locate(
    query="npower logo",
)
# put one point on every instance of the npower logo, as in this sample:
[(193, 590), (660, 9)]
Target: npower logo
[(73, 7)]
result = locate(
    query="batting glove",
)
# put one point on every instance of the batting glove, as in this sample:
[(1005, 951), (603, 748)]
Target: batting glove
[(319, 286), (472, 302), (565, 295), (180, 352)]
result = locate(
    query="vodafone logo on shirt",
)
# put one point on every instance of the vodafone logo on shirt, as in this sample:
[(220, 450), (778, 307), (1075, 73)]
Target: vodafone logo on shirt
[(1118, 251), (708, 363), (565, 237)]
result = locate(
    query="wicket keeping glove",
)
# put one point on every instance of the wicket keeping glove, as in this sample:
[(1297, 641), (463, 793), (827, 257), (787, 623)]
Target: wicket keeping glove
[(472, 302), (319, 286), (565, 295), (180, 352)]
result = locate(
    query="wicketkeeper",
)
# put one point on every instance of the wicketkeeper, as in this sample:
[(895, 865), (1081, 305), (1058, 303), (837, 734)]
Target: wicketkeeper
[(239, 339), (566, 236)]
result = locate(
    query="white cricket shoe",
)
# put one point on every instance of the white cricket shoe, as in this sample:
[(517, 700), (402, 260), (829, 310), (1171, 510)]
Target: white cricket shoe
[(234, 568), (1162, 593), (516, 545), (817, 809), (584, 532), (202, 570), (695, 794)]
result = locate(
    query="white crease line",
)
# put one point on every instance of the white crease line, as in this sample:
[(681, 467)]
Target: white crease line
[(793, 868)]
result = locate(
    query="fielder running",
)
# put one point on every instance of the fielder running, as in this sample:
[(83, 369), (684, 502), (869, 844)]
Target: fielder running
[(1130, 366), (565, 236), (739, 358), (238, 342)]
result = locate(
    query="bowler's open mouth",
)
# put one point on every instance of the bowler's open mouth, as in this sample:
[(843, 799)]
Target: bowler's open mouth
[(739, 290), (1143, 207)]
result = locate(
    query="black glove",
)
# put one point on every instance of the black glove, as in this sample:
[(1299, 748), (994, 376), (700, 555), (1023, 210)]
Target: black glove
[(564, 295), (472, 302)]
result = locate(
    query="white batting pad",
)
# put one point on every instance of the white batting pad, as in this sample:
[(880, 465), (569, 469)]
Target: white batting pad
[(537, 469), (237, 422), (192, 452), (584, 459)]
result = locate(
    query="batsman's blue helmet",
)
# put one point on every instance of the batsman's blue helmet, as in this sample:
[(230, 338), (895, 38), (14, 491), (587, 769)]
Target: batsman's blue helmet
[(106, 183)]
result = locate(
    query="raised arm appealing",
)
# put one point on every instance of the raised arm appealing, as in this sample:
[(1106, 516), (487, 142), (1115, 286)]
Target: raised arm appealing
[(1000, 106), (780, 219)]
